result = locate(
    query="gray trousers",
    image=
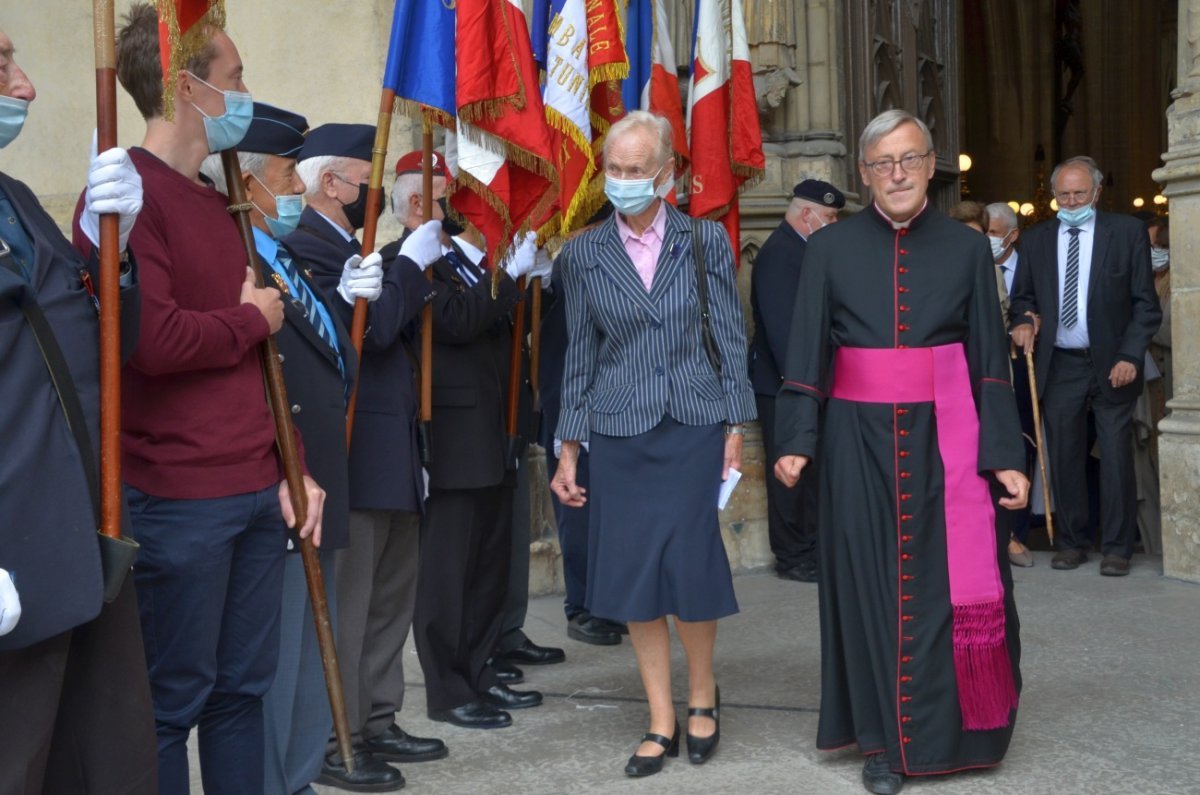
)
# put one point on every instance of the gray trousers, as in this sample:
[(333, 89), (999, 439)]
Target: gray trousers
[(296, 717), (376, 593)]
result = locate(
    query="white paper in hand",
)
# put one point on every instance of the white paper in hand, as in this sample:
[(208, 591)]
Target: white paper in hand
[(727, 488)]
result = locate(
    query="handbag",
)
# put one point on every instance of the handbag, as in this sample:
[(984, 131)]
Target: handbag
[(706, 334), (117, 555)]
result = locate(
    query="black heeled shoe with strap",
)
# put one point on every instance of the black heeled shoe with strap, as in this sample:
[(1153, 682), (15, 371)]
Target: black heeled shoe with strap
[(701, 749), (640, 766)]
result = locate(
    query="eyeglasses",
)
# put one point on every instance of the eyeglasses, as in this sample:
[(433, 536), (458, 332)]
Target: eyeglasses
[(885, 167), (1073, 197)]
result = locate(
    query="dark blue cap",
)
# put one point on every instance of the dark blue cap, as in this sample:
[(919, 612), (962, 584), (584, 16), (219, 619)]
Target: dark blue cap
[(818, 192), (274, 131), (339, 140)]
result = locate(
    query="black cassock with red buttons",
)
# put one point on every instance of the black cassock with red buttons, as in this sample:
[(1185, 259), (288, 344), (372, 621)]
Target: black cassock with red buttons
[(887, 668)]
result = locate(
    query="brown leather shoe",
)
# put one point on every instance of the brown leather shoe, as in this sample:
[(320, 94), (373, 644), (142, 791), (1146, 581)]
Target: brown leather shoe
[(1114, 566), (1068, 559)]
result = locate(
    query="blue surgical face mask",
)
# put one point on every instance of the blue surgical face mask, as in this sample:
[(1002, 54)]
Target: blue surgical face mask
[(227, 130), (1077, 217), (12, 118), (287, 213), (632, 196)]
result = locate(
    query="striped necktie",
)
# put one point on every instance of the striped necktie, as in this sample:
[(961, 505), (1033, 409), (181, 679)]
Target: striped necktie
[(470, 274), (306, 300), (1070, 309)]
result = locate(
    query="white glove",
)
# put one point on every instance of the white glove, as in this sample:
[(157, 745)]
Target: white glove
[(113, 186), (10, 604), (522, 256), (362, 277), (424, 245), (543, 266)]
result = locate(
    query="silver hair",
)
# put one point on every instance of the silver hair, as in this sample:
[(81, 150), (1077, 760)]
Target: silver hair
[(885, 123), (1079, 160), (643, 120), (405, 187), (214, 169), (1004, 213), (311, 170)]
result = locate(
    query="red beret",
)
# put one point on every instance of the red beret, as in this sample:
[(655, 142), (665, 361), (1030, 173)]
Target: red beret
[(412, 163)]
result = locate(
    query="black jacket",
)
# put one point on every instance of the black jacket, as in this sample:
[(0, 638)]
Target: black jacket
[(774, 278), (1122, 307)]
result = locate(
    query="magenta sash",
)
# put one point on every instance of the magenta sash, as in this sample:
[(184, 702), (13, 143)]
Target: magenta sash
[(986, 691)]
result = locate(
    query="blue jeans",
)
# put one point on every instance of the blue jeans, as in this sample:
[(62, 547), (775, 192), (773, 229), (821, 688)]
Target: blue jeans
[(209, 580)]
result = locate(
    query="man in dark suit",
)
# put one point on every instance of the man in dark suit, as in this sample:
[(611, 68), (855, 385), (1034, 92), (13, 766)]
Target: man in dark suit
[(65, 728), (466, 534), (1087, 276), (791, 513), (376, 576)]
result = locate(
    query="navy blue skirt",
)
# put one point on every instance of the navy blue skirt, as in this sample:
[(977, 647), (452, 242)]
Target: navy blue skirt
[(655, 544)]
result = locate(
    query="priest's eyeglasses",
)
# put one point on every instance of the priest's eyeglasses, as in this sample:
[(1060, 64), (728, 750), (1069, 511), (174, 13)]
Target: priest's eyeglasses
[(910, 163)]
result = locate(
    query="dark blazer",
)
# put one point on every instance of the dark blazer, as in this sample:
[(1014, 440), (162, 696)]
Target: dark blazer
[(1122, 307), (316, 396), (385, 467), (471, 337), (48, 536), (774, 278), (634, 355)]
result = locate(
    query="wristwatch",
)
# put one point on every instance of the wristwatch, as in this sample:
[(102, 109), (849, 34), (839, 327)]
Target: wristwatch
[(735, 430)]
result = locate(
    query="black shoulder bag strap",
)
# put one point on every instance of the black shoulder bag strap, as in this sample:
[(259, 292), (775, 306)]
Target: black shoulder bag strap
[(117, 555), (710, 343)]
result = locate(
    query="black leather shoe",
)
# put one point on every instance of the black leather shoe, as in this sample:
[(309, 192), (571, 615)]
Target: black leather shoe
[(476, 715), (529, 653), (804, 571), (1114, 566), (396, 745), (701, 749), (877, 776), (639, 766), (506, 672), (595, 631), (1068, 559), (504, 697), (370, 774)]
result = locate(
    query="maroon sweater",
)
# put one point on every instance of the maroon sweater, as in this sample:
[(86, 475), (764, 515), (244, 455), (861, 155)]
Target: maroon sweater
[(194, 419)]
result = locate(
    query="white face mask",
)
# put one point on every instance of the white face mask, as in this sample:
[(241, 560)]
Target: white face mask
[(998, 246), (1160, 258)]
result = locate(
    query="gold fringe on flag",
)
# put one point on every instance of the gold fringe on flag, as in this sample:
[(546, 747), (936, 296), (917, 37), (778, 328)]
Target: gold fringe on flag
[(184, 45)]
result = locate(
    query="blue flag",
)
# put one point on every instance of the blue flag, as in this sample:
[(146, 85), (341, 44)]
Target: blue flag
[(420, 63), (639, 44)]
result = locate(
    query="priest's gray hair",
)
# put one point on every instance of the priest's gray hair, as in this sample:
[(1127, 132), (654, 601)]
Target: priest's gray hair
[(1079, 160), (884, 124), (253, 162), (643, 120), (1004, 213), (310, 170)]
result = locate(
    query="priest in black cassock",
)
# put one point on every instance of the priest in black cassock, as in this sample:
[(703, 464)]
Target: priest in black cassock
[(898, 333)]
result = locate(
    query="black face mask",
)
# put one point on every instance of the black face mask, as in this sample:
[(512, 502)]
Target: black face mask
[(356, 211), (449, 225)]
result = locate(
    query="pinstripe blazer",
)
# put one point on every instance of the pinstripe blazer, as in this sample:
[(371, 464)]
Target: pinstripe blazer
[(635, 355)]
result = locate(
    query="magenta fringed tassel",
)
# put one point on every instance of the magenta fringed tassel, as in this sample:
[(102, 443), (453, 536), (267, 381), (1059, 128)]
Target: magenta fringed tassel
[(986, 690)]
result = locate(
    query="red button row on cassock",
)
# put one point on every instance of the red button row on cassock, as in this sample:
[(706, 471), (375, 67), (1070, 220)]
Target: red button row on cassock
[(906, 538)]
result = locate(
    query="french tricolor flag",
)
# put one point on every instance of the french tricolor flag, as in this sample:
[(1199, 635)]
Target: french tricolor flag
[(653, 82)]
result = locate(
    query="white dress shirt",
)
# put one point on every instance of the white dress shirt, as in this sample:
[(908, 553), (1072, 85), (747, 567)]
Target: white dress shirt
[(1076, 337)]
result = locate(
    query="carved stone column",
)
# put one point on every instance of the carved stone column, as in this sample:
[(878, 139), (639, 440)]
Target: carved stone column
[(1179, 440)]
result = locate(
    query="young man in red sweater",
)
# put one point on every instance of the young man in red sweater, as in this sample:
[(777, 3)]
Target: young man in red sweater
[(205, 489)]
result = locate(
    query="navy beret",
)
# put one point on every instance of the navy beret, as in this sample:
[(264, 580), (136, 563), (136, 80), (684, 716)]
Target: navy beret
[(274, 131), (339, 140), (818, 192)]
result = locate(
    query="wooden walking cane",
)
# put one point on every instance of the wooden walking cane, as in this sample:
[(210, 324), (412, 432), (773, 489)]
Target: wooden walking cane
[(358, 324), (1037, 431), (514, 375), (285, 439)]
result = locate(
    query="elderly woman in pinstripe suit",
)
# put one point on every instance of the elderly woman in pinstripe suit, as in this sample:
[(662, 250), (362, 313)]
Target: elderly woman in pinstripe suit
[(664, 425)]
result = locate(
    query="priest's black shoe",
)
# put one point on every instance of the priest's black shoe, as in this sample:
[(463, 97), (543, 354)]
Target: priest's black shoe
[(878, 777), (529, 653), (396, 745), (370, 774), (475, 715), (595, 631), (639, 766), (506, 672), (504, 697), (804, 571), (701, 749)]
